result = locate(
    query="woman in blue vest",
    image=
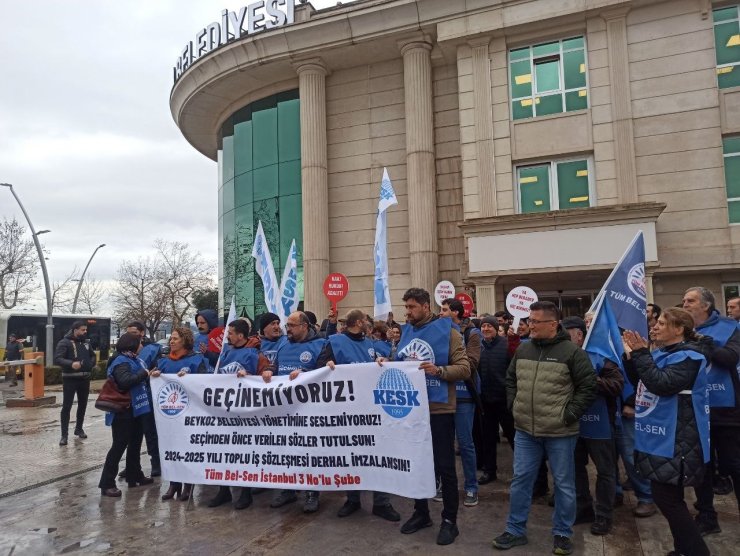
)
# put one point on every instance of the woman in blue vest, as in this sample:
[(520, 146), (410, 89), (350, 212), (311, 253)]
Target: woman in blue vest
[(181, 360), (672, 421), (130, 375)]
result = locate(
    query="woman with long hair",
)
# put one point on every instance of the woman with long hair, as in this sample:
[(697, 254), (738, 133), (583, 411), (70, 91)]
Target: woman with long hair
[(181, 360), (130, 375), (672, 420)]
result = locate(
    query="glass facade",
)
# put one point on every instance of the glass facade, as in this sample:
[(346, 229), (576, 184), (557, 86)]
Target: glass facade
[(731, 154), (259, 180)]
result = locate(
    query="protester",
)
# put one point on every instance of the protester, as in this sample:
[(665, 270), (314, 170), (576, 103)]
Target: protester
[(502, 317), (444, 365), (77, 359), (130, 375), (13, 352), (393, 335), (733, 308), (653, 312), (181, 360), (550, 383), (149, 354), (150, 350), (674, 398), (596, 439), (467, 393), (240, 359), (207, 321), (724, 400), (494, 360), (381, 344), (299, 353), (352, 346)]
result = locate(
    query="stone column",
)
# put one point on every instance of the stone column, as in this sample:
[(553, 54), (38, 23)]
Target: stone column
[(420, 168), (314, 183), (619, 77), (484, 126)]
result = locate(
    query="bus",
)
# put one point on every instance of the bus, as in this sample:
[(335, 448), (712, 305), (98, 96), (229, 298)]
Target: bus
[(31, 327)]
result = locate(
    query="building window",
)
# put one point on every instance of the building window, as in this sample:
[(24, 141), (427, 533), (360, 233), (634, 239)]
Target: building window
[(731, 151), (548, 78), (727, 46), (729, 291), (556, 185)]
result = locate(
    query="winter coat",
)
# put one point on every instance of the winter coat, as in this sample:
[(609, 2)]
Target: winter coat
[(70, 350), (686, 467), (550, 383), (494, 360)]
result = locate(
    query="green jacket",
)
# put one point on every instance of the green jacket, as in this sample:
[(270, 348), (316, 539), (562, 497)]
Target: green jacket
[(549, 384)]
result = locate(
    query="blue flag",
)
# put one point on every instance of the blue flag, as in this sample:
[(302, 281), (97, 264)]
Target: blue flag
[(626, 290), (604, 341)]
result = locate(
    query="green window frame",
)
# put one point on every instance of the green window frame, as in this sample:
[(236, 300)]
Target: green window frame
[(727, 46), (731, 155), (555, 185), (548, 78)]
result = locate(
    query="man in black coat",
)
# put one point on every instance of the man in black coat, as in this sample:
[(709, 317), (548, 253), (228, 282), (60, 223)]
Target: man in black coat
[(13, 352), (77, 359)]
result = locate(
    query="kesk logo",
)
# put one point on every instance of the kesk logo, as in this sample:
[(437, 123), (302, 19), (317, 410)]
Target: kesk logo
[(417, 350), (305, 357), (172, 399), (395, 393), (645, 401), (636, 281)]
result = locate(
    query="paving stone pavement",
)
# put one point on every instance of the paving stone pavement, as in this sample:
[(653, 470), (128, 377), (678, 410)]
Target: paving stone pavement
[(50, 504)]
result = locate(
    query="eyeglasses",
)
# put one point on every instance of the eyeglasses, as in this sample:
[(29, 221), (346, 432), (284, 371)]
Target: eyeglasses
[(535, 321)]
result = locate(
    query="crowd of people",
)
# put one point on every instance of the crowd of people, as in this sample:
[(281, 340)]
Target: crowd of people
[(556, 405)]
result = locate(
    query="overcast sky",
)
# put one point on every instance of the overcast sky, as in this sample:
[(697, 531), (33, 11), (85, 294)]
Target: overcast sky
[(86, 135)]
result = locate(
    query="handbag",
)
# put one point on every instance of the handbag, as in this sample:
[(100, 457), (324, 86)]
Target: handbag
[(112, 399)]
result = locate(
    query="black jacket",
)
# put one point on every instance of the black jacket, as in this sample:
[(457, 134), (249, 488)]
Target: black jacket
[(686, 467), (494, 360), (71, 349)]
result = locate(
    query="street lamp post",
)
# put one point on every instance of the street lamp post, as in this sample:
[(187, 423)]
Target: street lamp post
[(79, 285), (49, 354)]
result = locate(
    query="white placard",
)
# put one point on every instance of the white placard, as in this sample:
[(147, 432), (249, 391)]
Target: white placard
[(359, 427), (444, 290), (518, 301)]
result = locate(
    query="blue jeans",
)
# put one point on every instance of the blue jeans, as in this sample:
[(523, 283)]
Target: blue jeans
[(528, 452), (464, 429), (624, 435)]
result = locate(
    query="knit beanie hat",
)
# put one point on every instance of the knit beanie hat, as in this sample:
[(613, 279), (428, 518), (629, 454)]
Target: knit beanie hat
[(265, 319)]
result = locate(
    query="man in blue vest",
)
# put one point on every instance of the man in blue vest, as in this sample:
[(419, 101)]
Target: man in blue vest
[(597, 440), (237, 358), (724, 400), (298, 354), (353, 346), (466, 403), (439, 348)]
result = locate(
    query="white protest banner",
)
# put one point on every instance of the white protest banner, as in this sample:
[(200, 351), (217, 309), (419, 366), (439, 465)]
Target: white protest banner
[(444, 290), (359, 427), (517, 303)]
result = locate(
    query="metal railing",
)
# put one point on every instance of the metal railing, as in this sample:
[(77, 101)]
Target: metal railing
[(19, 362)]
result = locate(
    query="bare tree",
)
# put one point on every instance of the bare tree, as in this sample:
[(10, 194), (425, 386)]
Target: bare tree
[(63, 293), (19, 264), (92, 294), (139, 294), (181, 273)]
